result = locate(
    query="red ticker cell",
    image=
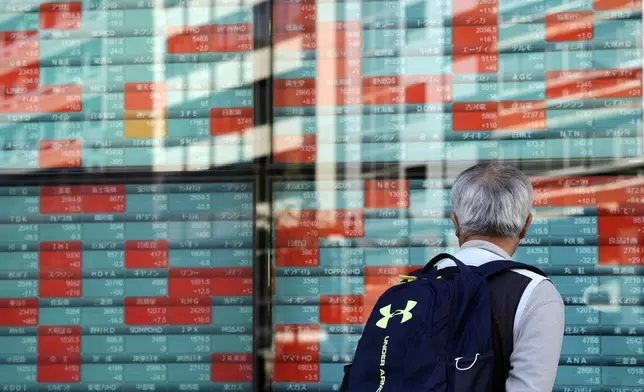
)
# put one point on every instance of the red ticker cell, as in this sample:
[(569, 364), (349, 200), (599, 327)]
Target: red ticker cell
[(230, 121), (475, 63), (522, 115), (61, 16), (335, 71), (103, 204), (61, 98), (626, 226), (231, 368), (340, 95), (343, 314), (307, 225), (475, 121), (231, 38), (195, 310), (297, 338), (607, 5), (60, 153), (297, 257), (68, 259), (60, 288), (59, 373), (296, 367), (386, 194), (412, 89), (28, 102), (18, 312), (189, 281), (19, 49), (63, 204), (475, 35), (383, 95), (146, 254), (568, 85), (286, 97), (429, 93), (294, 41), (146, 96), (344, 223), (17, 80), (607, 83), (475, 12), (621, 255), (53, 359), (189, 286), (614, 195), (146, 258), (565, 195), (232, 286), (295, 148), (191, 315), (61, 246), (296, 16), (617, 88), (59, 340), (338, 41), (379, 279), (146, 310), (189, 39), (570, 26), (376, 285)]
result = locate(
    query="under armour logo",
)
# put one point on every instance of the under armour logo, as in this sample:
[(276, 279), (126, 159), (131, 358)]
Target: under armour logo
[(387, 315)]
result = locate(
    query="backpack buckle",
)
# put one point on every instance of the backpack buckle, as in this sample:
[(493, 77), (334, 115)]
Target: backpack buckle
[(405, 279)]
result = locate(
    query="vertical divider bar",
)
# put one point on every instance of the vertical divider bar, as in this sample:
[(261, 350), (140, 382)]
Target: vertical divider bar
[(262, 149)]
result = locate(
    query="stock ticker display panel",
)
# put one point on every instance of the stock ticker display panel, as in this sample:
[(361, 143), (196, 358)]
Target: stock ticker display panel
[(432, 80), (144, 287), (338, 245), (110, 83)]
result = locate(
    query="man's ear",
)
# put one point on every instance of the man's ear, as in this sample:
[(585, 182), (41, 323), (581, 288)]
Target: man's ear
[(524, 232), (455, 221)]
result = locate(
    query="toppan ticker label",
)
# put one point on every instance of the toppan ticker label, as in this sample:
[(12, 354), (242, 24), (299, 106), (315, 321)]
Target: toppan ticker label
[(383, 359)]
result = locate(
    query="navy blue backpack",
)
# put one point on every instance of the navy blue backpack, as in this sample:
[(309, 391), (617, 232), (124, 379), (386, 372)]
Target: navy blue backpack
[(429, 333)]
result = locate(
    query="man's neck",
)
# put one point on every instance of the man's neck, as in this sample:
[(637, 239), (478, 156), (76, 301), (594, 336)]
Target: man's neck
[(508, 244)]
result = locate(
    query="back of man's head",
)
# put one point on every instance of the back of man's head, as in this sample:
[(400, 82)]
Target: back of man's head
[(492, 200)]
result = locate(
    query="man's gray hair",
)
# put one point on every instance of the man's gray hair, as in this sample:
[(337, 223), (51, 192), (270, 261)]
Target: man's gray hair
[(492, 199)]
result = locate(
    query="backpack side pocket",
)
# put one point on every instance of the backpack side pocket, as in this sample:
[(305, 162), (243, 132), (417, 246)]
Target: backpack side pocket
[(472, 373)]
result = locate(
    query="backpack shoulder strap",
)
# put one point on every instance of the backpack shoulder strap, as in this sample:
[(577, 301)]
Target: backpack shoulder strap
[(492, 268)]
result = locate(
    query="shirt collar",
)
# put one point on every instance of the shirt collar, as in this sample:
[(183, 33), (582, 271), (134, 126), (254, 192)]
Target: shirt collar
[(475, 253), (486, 245)]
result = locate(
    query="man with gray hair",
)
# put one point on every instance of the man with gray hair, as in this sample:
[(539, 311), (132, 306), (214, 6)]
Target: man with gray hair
[(492, 206)]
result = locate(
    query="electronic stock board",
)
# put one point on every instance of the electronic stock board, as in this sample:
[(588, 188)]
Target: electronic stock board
[(437, 81), (137, 287), (113, 83), (418, 81), (340, 244)]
